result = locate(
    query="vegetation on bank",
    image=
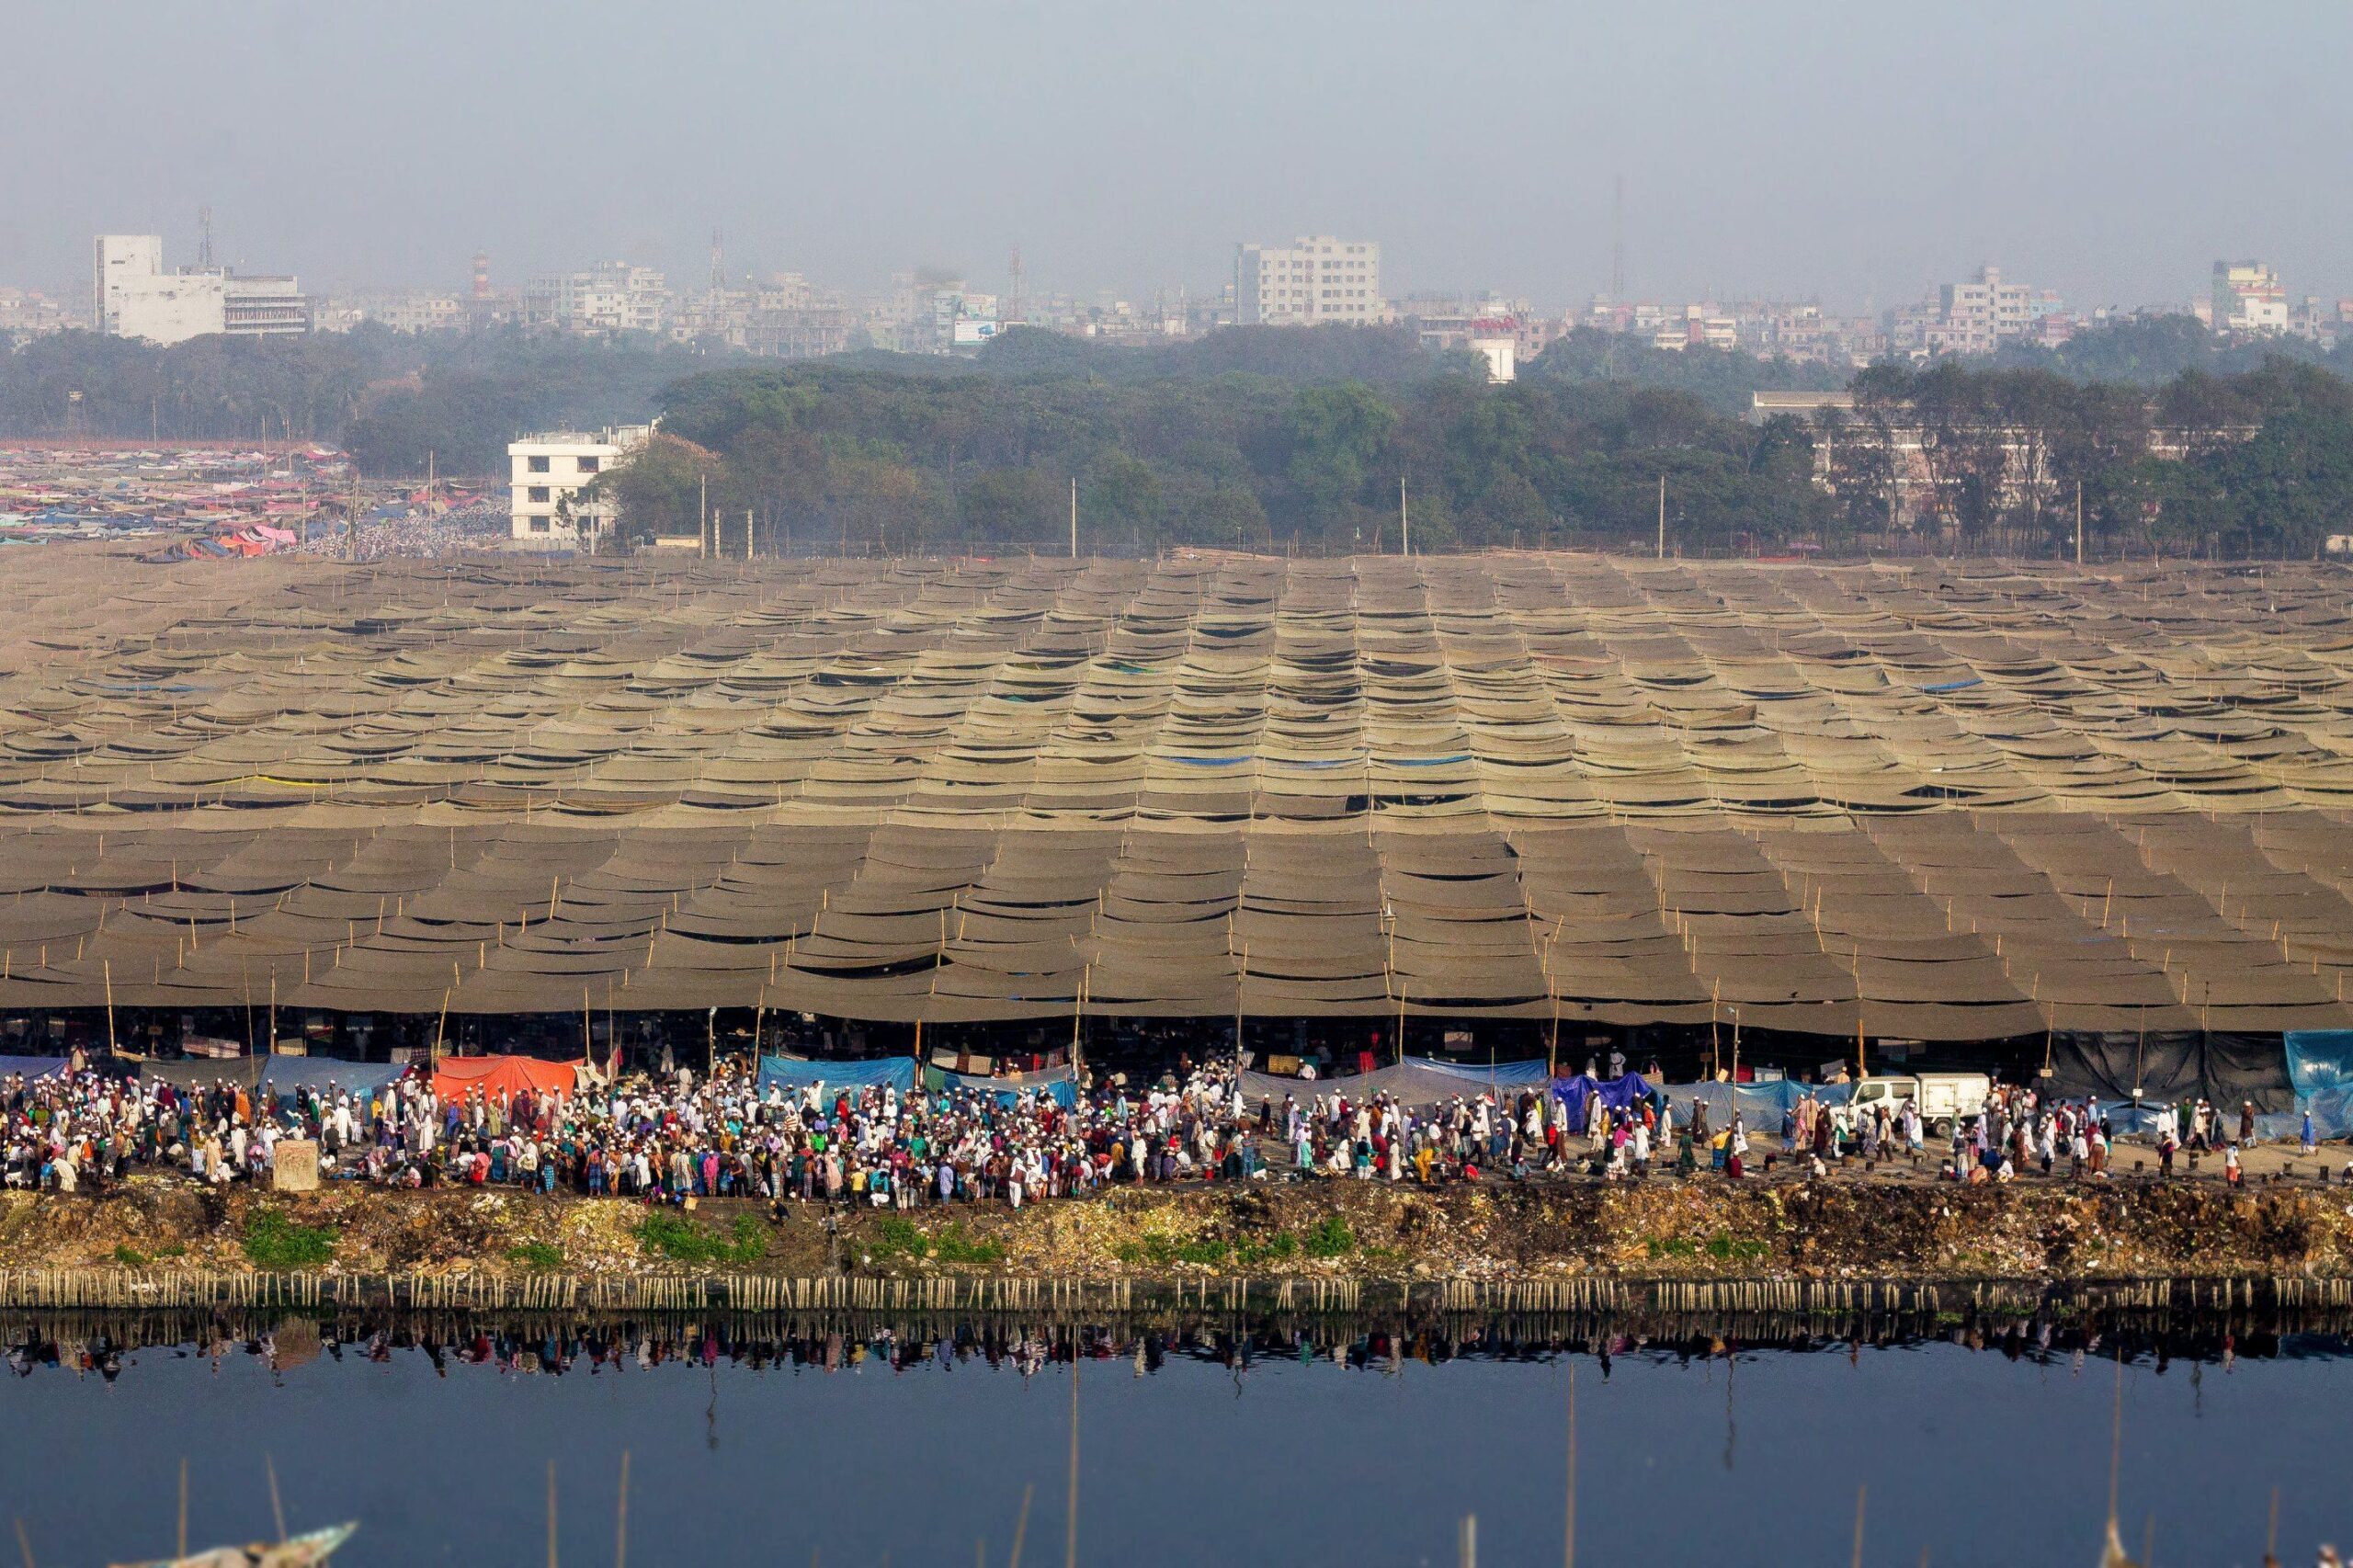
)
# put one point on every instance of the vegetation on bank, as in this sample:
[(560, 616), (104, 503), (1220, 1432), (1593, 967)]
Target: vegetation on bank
[(1900, 1229), (1297, 438)]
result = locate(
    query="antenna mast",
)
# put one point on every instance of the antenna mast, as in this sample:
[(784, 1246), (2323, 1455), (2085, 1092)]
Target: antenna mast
[(1012, 288), (204, 239), (1617, 242)]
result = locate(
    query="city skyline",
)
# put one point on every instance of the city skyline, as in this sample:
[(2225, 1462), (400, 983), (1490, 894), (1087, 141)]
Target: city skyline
[(1847, 156)]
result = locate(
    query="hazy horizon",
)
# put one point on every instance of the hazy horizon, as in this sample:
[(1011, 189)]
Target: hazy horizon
[(1857, 154)]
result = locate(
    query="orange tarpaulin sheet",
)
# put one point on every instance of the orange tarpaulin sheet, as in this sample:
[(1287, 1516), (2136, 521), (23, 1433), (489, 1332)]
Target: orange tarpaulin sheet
[(500, 1077)]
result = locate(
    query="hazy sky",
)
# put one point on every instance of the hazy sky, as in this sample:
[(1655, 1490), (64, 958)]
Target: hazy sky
[(1853, 151)]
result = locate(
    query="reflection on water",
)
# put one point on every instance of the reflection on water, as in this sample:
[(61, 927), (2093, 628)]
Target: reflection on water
[(1729, 1440)]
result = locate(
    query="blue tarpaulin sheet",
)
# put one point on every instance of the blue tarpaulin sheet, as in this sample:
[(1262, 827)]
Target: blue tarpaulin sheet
[(794, 1072), (1061, 1086), (31, 1066), (1574, 1094), (1760, 1105), (2320, 1066)]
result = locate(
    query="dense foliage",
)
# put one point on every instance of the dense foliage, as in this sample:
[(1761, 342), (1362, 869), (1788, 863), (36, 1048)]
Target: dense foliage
[(391, 398), (1300, 438)]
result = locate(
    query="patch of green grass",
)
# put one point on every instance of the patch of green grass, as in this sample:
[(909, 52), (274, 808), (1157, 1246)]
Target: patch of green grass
[(896, 1233), (172, 1249), (1153, 1247), (273, 1241), (1671, 1246), (1725, 1249), (1281, 1247), (1330, 1237), (129, 1257), (681, 1240), (536, 1255)]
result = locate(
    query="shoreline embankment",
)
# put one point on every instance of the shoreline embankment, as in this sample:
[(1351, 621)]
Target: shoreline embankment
[(1326, 1246)]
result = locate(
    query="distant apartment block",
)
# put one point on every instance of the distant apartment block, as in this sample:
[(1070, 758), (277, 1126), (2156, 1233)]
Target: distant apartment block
[(29, 313), (548, 472), (606, 299), (134, 297), (1312, 280), (2248, 299), (410, 311)]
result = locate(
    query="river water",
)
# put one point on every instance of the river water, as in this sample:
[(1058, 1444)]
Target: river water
[(1336, 1445)]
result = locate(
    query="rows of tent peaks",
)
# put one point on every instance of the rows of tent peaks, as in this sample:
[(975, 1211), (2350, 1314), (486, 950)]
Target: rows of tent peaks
[(1924, 801), (1937, 926)]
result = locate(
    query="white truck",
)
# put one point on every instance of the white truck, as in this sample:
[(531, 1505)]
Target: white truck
[(1945, 1099)]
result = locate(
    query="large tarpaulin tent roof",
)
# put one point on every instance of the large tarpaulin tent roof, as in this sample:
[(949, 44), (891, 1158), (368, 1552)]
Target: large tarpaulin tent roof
[(1924, 801)]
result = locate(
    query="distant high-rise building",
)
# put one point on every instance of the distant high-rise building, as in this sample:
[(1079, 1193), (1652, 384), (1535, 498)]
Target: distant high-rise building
[(134, 297), (2248, 297), (1313, 279)]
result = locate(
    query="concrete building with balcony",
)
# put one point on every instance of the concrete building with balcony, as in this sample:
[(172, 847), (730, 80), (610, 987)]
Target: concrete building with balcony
[(547, 473), (1313, 279)]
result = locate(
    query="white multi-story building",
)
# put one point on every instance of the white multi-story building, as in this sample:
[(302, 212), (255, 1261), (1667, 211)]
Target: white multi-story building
[(548, 473), (2248, 297), (1313, 279), (611, 297), (136, 298)]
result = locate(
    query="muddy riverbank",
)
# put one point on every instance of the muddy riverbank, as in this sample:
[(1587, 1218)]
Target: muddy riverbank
[(1491, 1235)]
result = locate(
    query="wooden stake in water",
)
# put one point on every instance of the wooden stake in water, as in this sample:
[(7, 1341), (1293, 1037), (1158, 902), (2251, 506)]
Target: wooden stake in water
[(1860, 1493), (1070, 1527), (182, 1551), (1569, 1541), (620, 1529), (550, 1513), (1020, 1527), (277, 1508)]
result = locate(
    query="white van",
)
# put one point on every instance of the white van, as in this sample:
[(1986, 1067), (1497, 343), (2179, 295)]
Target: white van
[(1945, 1099)]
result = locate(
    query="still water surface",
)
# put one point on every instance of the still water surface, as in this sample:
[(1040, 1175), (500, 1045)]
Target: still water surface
[(1197, 1451)]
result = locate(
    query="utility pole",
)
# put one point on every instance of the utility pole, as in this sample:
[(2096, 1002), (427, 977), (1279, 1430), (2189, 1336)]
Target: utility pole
[(749, 552), (1073, 517), (2079, 522), (429, 477), (1404, 522), (702, 520), (1662, 517), (351, 523)]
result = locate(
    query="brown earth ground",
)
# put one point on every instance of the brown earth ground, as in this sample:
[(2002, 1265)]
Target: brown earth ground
[(1895, 1225)]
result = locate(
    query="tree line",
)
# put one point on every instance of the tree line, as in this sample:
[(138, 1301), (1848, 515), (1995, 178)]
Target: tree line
[(1299, 438), (1952, 456)]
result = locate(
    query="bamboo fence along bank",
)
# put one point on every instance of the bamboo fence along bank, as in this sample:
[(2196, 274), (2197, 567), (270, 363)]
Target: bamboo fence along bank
[(1934, 802), (117, 1290)]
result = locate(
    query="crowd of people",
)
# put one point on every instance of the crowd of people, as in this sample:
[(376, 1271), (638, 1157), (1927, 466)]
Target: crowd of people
[(666, 1137)]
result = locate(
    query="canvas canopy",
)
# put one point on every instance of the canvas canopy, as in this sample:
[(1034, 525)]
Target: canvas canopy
[(1937, 802)]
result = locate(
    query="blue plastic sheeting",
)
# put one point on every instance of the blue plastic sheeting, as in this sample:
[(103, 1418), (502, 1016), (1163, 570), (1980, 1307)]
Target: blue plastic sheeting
[(31, 1066), (1418, 1081), (287, 1074), (1496, 1074), (1061, 1087), (283, 1073), (1760, 1105), (2320, 1066), (793, 1073), (1956, 684), (1617, 1094)]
